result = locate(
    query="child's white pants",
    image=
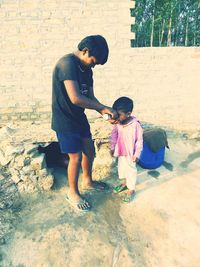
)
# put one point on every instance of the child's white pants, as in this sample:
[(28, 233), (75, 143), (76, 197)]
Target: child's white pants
[(127, 169)]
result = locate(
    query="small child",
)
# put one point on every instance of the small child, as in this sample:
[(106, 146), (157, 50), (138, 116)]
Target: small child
[(126, 145)]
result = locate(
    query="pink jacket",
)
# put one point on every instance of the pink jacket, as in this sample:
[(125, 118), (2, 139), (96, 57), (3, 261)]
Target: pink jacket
[(127, 140)]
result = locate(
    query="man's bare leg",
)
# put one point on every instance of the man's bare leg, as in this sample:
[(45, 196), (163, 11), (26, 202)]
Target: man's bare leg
[(87, 162), (73, 174)]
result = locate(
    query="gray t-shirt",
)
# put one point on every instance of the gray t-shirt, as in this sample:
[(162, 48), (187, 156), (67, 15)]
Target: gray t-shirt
[(67, 117)]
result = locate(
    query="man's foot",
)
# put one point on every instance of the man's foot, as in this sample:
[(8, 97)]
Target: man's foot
[(129, 196), (78, 202), (119, 188), (96, 186)]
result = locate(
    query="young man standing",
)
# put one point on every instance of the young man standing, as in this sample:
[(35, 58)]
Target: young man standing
[(72, 93)]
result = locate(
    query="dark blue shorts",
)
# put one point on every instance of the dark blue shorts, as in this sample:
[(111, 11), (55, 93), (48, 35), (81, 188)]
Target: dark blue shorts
[(72, 142)]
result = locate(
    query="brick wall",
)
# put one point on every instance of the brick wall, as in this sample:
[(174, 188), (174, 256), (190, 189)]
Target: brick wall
[(164, 82), (35, 34)]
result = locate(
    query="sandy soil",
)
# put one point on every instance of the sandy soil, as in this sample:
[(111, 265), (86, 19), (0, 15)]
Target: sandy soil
[(160, 228)]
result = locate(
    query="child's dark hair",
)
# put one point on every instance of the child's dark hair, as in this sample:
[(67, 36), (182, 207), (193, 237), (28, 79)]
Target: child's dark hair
[(97, 46), (124, 104)]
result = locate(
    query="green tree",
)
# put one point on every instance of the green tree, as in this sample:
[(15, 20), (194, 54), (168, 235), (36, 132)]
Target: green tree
[(166, 23)]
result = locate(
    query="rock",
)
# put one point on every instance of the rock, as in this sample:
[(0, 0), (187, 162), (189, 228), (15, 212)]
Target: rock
[(15, 179), (15, 175), (26, 170), (27, 187), (30, 149), (14, 171), (12, 162), (19, 162), (7, 131), (31, 188), (4, 144), (3, 159), (27, 161), (38, 163), (12, 150), (43, 172), (21, 186), (34, 178), (24, 178), (46, 183)]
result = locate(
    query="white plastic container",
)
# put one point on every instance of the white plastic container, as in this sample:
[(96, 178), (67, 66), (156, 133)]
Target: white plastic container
[(107, 117)]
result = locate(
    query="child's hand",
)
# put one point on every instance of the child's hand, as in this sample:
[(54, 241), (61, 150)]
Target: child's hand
[(113, 121), (134, 158), (112, 152)]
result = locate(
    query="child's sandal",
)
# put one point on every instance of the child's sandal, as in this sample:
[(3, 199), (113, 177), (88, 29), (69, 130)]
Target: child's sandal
[(128, 198), (119, 188)]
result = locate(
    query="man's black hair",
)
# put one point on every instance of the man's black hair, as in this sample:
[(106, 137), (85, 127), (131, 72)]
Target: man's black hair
[(97, 46), (124, 104)]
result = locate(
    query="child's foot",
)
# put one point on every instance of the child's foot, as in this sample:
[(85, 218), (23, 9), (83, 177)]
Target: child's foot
[(129, 196), (119, 188)]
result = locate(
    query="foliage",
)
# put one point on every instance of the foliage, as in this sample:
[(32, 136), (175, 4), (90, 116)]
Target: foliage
[(166, 23)]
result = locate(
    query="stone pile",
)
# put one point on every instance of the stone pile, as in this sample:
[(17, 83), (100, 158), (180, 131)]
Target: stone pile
[(25, 165)]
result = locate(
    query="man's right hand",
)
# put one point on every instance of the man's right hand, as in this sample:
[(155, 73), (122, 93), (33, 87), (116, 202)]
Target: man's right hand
[(110, 111)]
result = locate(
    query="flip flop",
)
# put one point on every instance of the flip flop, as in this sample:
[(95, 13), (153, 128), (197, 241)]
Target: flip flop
[(78, 205), (128, 199), (119, 188), (97, 186)]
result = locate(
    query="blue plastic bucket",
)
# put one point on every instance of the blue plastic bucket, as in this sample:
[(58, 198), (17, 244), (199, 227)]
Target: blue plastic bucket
[(151, 160)]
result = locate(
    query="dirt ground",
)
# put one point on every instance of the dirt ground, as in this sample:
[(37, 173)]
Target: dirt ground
[(161, 227)]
